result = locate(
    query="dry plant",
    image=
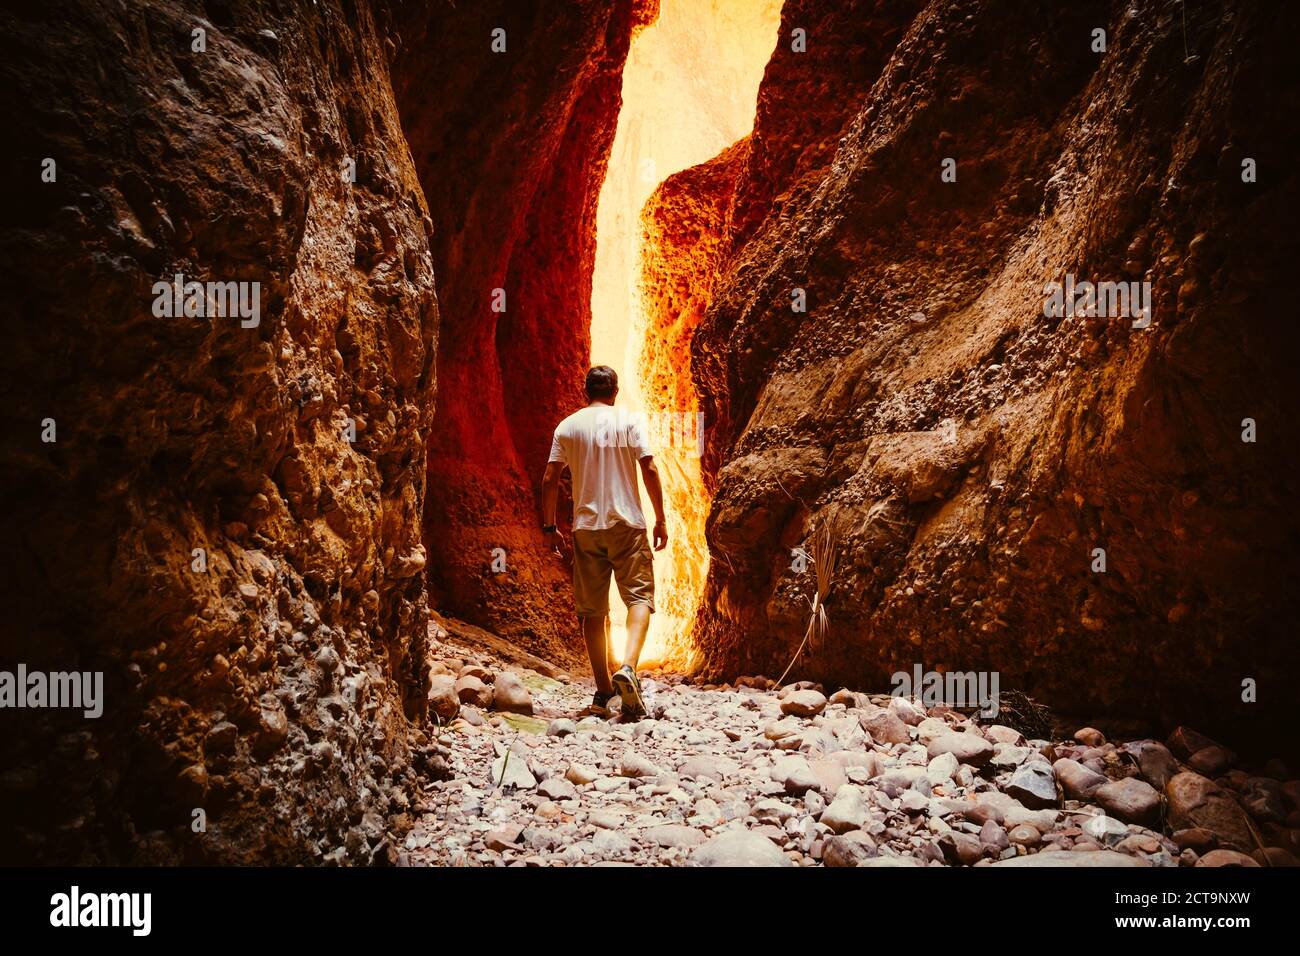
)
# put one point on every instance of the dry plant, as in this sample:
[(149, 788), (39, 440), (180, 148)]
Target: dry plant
[(824, 545)]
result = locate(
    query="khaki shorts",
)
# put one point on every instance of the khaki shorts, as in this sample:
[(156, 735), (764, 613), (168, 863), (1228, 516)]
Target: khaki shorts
[(625, 551)]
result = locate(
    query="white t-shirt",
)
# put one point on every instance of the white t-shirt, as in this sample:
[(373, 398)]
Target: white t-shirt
[(602, 446)]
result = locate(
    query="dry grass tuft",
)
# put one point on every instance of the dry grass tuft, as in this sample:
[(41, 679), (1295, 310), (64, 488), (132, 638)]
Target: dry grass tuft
[(823, 550)]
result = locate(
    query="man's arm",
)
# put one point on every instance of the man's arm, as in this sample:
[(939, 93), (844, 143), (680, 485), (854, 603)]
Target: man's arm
[(650, 475), (551, 495)]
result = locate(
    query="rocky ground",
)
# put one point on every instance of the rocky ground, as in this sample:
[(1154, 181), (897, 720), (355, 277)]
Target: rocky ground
[(759, 775)]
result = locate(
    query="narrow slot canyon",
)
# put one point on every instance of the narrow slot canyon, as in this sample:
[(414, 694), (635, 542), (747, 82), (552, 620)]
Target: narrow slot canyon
[(689, 90), (304, 552)]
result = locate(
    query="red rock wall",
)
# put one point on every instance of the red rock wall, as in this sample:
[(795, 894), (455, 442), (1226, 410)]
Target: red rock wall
[(512, 169), (976, 451), (274, 689)]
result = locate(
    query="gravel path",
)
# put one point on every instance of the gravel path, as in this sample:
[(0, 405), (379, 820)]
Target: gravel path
[(759, 776)]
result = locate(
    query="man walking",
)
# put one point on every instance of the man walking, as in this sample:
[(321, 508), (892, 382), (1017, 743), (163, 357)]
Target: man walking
[(602, 450)]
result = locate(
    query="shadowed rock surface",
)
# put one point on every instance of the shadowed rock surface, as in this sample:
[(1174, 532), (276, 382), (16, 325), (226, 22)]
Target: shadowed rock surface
[(512, 165), (974, 452)]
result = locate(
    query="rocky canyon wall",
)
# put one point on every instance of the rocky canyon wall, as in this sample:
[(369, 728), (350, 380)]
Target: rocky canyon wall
[(227, 522), (512, 168), (973, 453)]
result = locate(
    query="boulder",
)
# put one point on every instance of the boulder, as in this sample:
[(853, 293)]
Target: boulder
[(970, 749), (1184, 742), (885, 727), (1225, 858), (848, 811), (444, 701), (471, 690), (1090, 737), (510, 694), (1131, 800), (1034, 785), (848, 850), (739, 848), (1070, 859), (1197, 801), (1155, 763), (803, 703), (1077, 781)]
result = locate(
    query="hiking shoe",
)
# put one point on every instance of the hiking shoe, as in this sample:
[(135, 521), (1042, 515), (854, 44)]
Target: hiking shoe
[(629, 688), (599, 706)]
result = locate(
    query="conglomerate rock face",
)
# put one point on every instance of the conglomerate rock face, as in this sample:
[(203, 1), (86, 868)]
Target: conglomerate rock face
[(227, 524), (512, 167), (973, 453)]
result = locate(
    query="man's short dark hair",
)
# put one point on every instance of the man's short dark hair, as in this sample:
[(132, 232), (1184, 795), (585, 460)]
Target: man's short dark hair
[(602, 382)]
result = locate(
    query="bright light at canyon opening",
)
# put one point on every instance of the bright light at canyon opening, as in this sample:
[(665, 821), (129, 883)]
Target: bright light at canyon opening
[(689, 91)]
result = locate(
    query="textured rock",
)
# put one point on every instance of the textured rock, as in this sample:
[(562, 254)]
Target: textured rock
[(742, 848), (674, 835), (511, 770), (848, 850), (240, 491), (561, 727), (1198, 802), (444, 702), (885, 727), (960, 848), (848, 811), (512, 172), (510, 694), (1090, 736), (804, 703), (1034, 785), (1130, 799), (1066, 858), (473, 691), (1155, 762), (1025, 835), (580, 775), (1077, 781), (971, 749), (923, 396), (1226, 858), (635, 765)]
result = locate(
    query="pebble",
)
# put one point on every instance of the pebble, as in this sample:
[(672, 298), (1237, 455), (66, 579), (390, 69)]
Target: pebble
[(1131, 800), (848, 811), (804, 703), (848, 850), (1077, 781), (739, 848), (1025, 835), (1034, 785), (969, 749), (635, 765), (471, 690), (1090, 737)]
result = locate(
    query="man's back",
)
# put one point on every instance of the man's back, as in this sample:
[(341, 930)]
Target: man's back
[(601, 447)]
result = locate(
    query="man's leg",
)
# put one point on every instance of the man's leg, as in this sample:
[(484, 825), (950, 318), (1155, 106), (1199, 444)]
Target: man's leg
[(635, 576), (609, 648), (595, 630), (638, 622), (591, 571)]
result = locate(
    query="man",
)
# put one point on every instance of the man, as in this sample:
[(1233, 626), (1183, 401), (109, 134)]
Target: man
[(602, 450)]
